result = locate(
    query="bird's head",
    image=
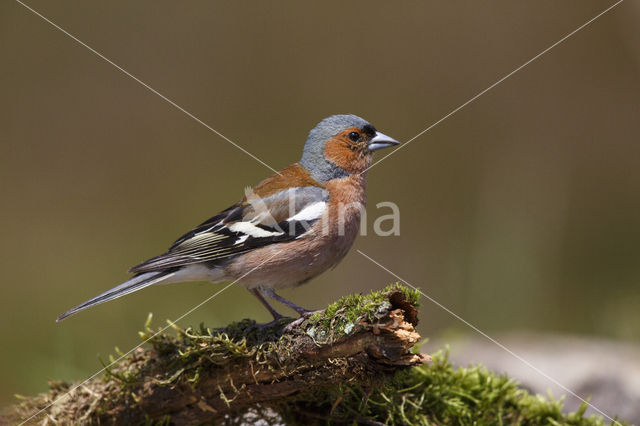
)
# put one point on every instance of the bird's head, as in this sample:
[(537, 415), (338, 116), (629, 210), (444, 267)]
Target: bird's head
[(342, 145)]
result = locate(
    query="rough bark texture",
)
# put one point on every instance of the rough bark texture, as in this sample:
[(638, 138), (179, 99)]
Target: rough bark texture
[(212, 376)]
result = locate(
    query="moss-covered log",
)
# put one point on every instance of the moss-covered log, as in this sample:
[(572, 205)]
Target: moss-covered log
[(351, 364), (205, 375)]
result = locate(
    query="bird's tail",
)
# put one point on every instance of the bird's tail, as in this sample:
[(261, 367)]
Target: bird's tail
[(134, 284)]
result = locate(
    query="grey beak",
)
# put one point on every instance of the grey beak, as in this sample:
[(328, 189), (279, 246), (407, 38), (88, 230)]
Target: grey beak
[(380, 140)]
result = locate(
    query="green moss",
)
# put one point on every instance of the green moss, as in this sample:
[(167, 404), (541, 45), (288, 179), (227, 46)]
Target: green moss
[(434, 393), (341, 317), (437, 393)]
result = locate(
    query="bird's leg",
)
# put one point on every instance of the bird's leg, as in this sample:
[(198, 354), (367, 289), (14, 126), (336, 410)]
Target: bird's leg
[(272, 294), (258, 294), (304, 314)]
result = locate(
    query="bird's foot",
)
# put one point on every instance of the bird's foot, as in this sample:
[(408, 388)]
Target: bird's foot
[(276, 324), (303, 316), (276, 321)]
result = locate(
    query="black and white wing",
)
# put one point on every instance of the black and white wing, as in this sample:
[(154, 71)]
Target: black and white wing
[(255, 222)]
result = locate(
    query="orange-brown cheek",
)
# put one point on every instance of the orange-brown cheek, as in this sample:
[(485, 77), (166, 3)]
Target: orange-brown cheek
[(347, 159)]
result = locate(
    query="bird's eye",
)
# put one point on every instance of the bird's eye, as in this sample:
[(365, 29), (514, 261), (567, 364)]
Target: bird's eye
[(354, 136)]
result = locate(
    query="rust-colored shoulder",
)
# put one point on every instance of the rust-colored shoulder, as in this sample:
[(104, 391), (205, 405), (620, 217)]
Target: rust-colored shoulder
[(293, 176)]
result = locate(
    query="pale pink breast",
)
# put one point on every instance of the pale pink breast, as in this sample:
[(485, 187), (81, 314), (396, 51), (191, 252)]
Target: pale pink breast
[(292, 263)]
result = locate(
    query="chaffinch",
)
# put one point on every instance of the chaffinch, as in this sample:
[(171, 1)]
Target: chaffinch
[(288, 229)]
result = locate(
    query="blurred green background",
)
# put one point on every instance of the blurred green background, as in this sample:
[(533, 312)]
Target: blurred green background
[(521, 211)]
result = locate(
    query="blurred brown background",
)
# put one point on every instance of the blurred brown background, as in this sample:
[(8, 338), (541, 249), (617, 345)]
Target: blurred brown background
[(521, 211)]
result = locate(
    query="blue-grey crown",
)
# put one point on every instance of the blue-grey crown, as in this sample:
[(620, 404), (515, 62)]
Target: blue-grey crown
[(313, 158)]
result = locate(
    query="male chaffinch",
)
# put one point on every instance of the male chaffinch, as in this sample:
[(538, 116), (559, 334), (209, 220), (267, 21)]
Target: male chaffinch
[(288, 229)]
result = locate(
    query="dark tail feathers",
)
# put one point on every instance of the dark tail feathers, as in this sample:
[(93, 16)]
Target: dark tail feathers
[(134, 284)]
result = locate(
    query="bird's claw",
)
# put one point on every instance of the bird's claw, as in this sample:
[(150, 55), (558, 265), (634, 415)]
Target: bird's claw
[(270, 324), (303, 316)]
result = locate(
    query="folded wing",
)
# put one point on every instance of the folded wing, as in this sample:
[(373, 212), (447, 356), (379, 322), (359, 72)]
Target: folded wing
[(255, 222)]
